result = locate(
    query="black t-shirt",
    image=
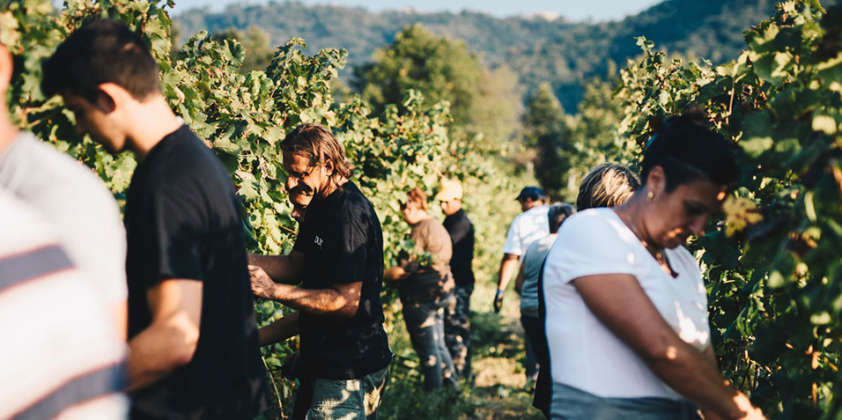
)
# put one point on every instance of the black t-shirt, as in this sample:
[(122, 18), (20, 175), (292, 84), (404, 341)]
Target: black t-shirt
[(342, 243), (462, 234), (182, 221)]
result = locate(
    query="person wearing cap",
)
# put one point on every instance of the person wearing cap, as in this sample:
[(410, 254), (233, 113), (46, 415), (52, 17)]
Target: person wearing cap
[(457, 323), (529, 226)]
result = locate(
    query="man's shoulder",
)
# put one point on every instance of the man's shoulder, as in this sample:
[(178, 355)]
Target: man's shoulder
[(354, 204), (33, 169), (184, 165), (22, 227), (531, 215)]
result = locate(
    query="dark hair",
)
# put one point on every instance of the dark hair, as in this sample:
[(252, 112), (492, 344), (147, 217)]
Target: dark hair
[(557, 214), (606, 185), (688, 151), (101, 51), (317, 144)]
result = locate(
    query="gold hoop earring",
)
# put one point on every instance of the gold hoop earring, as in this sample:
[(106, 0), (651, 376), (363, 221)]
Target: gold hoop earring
[(650, 195)]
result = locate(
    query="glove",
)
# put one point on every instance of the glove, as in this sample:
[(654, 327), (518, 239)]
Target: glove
[(498, 301)]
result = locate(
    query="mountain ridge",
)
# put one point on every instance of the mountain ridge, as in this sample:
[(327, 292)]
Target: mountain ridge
[(558, 51)]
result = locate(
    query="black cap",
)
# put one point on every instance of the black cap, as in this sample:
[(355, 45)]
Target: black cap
[(535, 193)]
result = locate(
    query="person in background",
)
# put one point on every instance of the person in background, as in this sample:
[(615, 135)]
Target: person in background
[(457, 322), (527, 227), (193, 349), (333, 277), (605, 185), (626, 310), (425, 285), (526, 283), (71, 197)]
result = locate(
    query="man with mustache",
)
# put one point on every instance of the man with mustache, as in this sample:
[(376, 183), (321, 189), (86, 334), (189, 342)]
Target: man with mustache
[(333, 276)]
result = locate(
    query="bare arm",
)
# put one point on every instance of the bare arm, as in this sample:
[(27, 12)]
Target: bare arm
[(612, 297), (279, 330), (507, 267), (281, 268), (711, 357), (170, 340), (341, 299), (120, 317), (394, 274), (519, 280)]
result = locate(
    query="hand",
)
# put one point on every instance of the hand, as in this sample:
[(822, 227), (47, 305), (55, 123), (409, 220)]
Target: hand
[(749, 412), (261, 284), (498, 301)]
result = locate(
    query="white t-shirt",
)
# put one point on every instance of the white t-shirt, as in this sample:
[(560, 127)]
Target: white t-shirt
[(527, 227), (586, 355), (82, 210), (61, 357)]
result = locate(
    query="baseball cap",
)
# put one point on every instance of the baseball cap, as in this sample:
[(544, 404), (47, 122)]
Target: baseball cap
[(450, 189), (532, 192)]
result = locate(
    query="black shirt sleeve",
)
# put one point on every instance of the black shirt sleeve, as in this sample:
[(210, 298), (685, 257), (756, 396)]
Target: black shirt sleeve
[(171, 236), (352, 255)]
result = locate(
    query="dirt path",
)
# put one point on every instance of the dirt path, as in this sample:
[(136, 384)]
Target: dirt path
[(499, 390)]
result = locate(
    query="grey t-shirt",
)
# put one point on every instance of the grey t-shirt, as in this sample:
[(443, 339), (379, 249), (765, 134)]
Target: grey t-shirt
[(82, 210), (532, 260)]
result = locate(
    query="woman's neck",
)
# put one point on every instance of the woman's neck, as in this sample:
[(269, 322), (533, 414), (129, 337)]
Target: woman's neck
[(632, 214)]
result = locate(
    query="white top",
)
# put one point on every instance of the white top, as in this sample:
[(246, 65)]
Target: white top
[(586, 355), (527, 227), (60, 354), (71, 197)]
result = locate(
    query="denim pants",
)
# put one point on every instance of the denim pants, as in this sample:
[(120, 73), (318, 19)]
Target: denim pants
[(351, 399), (570, 403), (425, 324), (532, 329), (457, 329)]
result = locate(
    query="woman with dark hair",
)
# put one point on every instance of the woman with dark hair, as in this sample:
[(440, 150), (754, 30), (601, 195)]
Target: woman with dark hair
[(425, 285), (626, 310)]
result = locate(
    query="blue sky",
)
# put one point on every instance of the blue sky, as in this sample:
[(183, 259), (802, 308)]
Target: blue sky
[(571, 9)]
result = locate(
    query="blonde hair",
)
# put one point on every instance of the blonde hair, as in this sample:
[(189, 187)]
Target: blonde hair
[(606, 185)]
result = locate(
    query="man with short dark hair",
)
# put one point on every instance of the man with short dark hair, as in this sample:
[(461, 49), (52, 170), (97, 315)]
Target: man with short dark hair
[(192, 330), (337, 265)]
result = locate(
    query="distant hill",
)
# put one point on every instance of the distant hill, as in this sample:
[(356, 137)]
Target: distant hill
[(558, 51)]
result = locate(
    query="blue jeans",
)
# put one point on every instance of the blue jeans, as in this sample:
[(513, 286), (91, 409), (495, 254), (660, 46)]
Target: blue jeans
[(425, 324), (531, 328), (570, 403), (352, 399)]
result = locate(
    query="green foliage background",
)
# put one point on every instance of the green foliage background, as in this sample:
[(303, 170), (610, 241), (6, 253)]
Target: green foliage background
[(775, 288), (243, 115)]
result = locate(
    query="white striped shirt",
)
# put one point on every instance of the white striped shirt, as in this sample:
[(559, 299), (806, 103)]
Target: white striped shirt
[(60, 357)]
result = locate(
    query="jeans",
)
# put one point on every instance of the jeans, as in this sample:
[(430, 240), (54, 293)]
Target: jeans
[(457, 329), (532, 327), (425, 324), (351, 399), (570, 403)]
